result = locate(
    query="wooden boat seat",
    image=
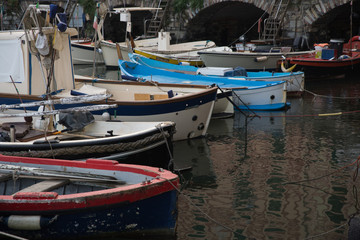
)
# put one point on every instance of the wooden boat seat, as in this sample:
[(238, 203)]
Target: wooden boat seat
[(46, 185), (148, 97)]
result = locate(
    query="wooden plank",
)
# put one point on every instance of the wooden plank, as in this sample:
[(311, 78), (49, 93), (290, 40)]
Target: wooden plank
[(141, 96), (160, 96), (45, 186)]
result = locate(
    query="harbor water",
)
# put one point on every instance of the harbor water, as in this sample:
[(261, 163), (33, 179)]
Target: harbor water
[(273, 175)]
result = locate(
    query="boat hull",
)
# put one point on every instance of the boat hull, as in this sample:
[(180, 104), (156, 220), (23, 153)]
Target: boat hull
[(135, 209), (267, 98), (149, 145), (250, 61), (84, 53), (191, 114), (275, 101), (314, 67)]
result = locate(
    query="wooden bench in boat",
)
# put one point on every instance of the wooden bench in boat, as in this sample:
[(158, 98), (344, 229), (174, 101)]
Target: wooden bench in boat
[(148, 97), (45, 186)]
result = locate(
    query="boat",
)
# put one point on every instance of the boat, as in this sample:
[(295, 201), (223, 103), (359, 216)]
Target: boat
[(183, 52), (188, 58), (157, 45), (82, 52), (295, 80), (253, 95), (73, 133), (333, 59), (250, 60), (64, 199), (190, 108)]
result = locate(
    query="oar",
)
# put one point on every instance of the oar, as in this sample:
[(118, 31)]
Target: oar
[(39, 172)]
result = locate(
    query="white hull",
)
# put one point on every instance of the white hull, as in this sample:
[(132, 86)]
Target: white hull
[(110, 54), (185, 128), (189, 123), (84, 54), (295, 83), (250, 61), (268, 98)]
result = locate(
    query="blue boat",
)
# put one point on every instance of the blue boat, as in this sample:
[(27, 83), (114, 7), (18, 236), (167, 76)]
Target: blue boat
[(295, 80), (253, 95)]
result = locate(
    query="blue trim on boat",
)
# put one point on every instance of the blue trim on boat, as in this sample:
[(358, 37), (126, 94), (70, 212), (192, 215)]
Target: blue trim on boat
[(134, 108), (266, 107)]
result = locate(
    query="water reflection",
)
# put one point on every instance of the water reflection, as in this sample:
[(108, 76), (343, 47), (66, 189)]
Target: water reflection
[(282, 175), (265, 174)]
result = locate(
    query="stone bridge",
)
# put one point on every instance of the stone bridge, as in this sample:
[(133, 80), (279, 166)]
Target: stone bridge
[(302, 15)]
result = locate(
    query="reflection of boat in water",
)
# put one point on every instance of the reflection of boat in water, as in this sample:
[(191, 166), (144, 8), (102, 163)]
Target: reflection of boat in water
[(268, 121), (194, 155)]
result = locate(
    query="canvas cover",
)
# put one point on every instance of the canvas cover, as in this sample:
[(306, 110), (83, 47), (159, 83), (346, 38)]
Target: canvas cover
[(11, 61)]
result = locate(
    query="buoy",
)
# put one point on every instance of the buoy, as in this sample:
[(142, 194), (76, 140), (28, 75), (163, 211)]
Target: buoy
[(287, 70)]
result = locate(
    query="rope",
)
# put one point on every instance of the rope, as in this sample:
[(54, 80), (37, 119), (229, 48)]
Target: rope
[(265, 12), (317, 178), (92, 149), (198, 208), (313, 115), (12, 236), (324, 233)]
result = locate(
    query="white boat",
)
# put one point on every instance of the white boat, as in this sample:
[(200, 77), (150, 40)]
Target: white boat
[(251, 61), (82, 52)]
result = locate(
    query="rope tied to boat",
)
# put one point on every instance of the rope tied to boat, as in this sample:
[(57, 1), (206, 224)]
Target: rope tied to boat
[(165, 136)]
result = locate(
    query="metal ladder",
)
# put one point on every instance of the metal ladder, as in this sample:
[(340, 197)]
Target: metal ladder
[(273, 23), (157, 21)]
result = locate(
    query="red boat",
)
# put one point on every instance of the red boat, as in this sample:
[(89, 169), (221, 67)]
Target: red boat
[(92, 199), (338, 59)]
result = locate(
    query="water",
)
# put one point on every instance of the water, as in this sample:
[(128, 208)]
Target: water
[(286, 175)]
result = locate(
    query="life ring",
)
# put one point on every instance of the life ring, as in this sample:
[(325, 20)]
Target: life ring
[(287, 70), (355, 38)]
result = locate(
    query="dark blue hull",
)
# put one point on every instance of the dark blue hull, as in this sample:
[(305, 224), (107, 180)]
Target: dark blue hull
[(149, 218)]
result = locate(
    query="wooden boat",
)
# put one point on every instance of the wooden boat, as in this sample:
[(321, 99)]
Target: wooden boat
[(72, 135), (251, 61), (255, 95), (190, 108), (339, 59), (82, 52), (188, 58), (295, 80), (62, 199)]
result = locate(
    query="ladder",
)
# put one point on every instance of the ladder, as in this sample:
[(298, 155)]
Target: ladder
[(157, 21), (273, 23)]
